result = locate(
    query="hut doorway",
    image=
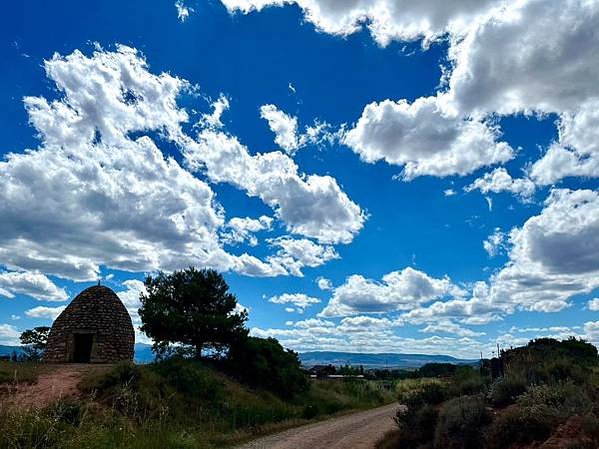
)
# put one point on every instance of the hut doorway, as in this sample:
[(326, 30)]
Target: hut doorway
[(83, 348)]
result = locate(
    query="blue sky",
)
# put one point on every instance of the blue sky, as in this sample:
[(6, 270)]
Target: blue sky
[(434, 166)]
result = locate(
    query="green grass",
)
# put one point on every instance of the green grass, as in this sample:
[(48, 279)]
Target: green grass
[(177, 404), (22, 372)]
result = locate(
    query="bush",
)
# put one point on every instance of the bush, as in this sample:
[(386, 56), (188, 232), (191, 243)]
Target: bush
[(521, 426), (429, 393), (67, 411), (123, 374), (391, 440), (460, 423), (467, 381), (506, 390), (416, 426), (265, 363), (564, 399), (590, 426), (190, 377)]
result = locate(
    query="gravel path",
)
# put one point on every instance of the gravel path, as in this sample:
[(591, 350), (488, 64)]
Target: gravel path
[(356, 431)]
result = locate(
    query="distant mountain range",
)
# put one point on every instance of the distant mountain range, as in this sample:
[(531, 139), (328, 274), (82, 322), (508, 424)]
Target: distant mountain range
[(8, 350), (144, 354), (384, 360)]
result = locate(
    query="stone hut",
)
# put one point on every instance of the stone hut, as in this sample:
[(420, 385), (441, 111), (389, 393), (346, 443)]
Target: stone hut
[(94, 328)]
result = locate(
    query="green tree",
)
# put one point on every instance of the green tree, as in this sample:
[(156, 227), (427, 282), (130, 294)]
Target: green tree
[(263, 362), (34, 342), (193, 308)]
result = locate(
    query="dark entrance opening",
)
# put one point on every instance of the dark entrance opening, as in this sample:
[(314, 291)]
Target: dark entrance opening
[(83, 348)]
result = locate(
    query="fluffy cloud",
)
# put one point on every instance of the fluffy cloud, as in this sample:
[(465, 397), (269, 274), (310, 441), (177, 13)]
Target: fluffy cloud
[(511, 61), (311, 323), (324, 283), (310, 205), (425, 139), (284, 126), (499, 180), (593, 304), (576, 153), (476, 310), (214, 120), (91, 195), (300, 301), (552, 257), (449, 192), (287, 135), (297, 253), (365, 324), (494, 244), (9, 335), (45, 312), (506, 57), (555, 254), (449, 327), (398, 290), (32, 284), (242, 230), (591, 329), (367, 333), (386, 19), (94, 195), (130, 298), (513, 58)]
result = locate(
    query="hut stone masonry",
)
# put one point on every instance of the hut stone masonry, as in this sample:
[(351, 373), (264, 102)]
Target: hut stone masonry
[(94, 328)]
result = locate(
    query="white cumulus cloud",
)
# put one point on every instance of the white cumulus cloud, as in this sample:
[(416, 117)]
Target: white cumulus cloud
[(425, 139), (45, 312), (33, 284), (398, 290)]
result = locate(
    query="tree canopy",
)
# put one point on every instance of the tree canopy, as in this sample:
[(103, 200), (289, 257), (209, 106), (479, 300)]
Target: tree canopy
[(263, 362), (34, 342), (193, 308)]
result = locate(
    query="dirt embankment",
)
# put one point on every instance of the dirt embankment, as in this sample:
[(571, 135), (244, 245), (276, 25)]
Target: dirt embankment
[(356, 431), (54, 382)]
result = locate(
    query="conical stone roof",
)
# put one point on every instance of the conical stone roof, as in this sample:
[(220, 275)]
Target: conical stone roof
[(94, 327)]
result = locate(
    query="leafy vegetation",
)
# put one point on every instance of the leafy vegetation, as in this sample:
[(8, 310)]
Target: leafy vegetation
[(549, 389), (15, 373), (34, 342), (176, 403), (191, 308), (211, 384), (265, 363)]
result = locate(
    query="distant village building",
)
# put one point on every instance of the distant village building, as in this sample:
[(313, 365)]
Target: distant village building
[(322, 371), (94, 328)]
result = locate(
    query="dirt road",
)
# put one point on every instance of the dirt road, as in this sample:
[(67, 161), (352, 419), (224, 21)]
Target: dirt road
[(356, 431)]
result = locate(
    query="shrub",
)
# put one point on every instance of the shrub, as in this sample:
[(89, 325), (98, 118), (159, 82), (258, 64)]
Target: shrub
[(124, 373), (521, 426), (67, 411), (590, 426), (429, 393), (506, 390), (416, 426), (565, 399), (460, 423), (190, 377), (263, 362), (467, 381), (391, 440)]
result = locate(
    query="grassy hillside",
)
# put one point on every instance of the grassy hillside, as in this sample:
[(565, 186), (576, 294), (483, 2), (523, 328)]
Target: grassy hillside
[(547, 398), (175, 404)]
